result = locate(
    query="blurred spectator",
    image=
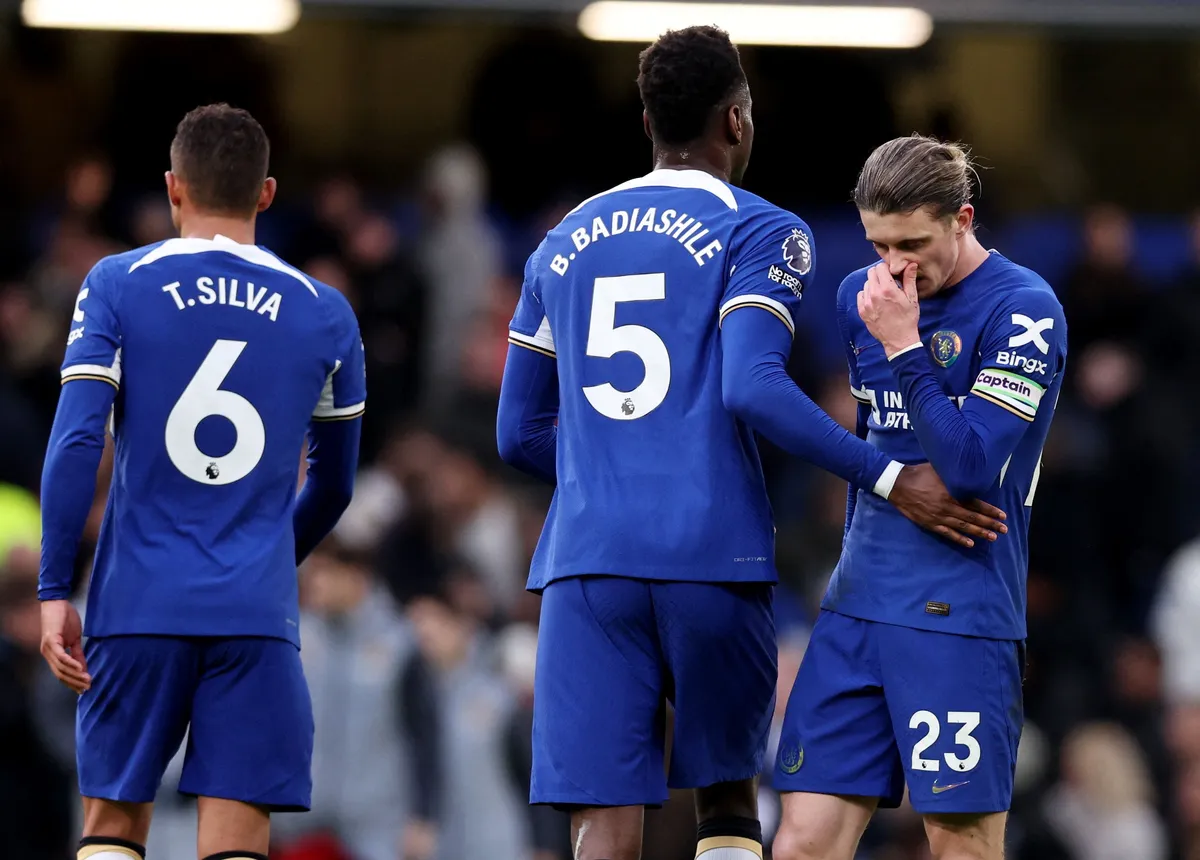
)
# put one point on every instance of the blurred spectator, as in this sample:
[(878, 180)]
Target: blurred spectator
[(390, 296), (549, 828), (1104, 296), (457, 510), (1175, 626), (461, 256), (1103, 808), (151, 220), (36, 802), (485, 813), (377, 773), (86, 202)]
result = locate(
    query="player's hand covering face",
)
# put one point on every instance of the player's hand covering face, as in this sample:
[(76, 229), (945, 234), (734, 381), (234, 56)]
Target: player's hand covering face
[(62, 644), (921, 238), (891, 312)]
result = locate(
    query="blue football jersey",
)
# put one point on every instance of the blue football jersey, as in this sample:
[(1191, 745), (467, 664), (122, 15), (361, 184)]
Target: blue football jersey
[(221, 355), (999, 335), (656, 479)]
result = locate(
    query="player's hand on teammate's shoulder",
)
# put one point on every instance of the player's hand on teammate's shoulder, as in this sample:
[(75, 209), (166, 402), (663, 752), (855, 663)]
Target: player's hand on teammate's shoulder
[(62, 644), (921, 496), (891, 314)]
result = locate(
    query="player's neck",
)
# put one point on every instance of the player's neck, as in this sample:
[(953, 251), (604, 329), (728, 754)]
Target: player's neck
[(201, 226), (971, 257), (692, 159)]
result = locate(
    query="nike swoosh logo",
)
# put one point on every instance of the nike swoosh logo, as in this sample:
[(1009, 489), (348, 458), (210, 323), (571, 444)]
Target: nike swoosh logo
[(938, 789)]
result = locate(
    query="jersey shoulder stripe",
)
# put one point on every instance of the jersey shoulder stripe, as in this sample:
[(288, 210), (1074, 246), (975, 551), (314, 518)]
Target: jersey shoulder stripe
[(250, 253), (667, 178)]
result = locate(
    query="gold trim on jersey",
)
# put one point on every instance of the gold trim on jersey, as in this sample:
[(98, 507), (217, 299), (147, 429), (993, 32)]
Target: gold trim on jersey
[(111, 382), (998, 402), (348, 417), (532, 347)]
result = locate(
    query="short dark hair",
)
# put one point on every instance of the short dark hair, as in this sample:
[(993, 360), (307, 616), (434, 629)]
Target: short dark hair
[(683, 77), (908, 173), (222, 153)]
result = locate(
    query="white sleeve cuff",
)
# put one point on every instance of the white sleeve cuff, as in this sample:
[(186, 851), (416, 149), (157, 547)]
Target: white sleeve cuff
[(916, 345), (883, 487)]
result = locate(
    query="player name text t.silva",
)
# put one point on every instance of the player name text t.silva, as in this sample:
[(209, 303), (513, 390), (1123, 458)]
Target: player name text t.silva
[(226, 291)]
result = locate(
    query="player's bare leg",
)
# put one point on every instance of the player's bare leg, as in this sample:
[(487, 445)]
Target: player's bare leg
[(966, 836), (727, 826), (231, 829), (113, 830), (822, 826), (607, 833)]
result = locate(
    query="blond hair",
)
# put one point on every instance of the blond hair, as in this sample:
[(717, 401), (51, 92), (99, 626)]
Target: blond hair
[(908, 173)]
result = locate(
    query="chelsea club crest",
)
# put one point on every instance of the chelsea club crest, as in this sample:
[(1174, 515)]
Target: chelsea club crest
[(945, 346), (791, 756)]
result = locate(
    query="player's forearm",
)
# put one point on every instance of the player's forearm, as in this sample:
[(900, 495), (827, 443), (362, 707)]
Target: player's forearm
[(526, 432), (69, 480), (956, 447), (329, 485), (756, 388), (860, 430)]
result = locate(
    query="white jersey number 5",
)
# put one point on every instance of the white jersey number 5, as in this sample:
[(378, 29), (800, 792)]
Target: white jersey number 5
[(606, 339), (203, 398)]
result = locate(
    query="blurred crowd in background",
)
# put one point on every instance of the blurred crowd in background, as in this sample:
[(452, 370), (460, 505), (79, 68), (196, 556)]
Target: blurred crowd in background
[(419, 640)]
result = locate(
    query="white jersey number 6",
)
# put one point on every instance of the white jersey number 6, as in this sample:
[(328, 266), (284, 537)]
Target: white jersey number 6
[(203, 398)]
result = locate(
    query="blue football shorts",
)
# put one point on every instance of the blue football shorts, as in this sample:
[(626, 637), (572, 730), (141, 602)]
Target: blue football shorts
[(242, 702), (876, 706), (612, 651)]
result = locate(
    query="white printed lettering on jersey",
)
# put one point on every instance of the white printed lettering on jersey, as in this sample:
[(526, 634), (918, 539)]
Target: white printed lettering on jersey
[(1033, 332), (78, 314), (75, 334), (1029, 365), (892, 413), (228, 292), (680, 226)]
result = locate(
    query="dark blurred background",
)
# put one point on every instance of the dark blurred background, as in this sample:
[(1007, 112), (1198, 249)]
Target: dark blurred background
[(422, 153)]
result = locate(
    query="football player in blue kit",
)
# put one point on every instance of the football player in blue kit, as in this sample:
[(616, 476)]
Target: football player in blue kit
[(914, 670), (648, 345), (210, 360)]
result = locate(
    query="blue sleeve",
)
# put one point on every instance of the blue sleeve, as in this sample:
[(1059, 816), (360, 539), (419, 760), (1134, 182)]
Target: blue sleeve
[(860, 431), (69, 478), (329, 485), (756, 388), (1023, 349), (94, 340), (772, 262), (345, 394), (334, 435), (530, 326), (527, 420), (863, 412)]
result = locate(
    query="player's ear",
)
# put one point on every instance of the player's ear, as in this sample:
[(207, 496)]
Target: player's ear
[(646, 125), (267, 196), (735, 124), (174, 190), (963, 220)]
